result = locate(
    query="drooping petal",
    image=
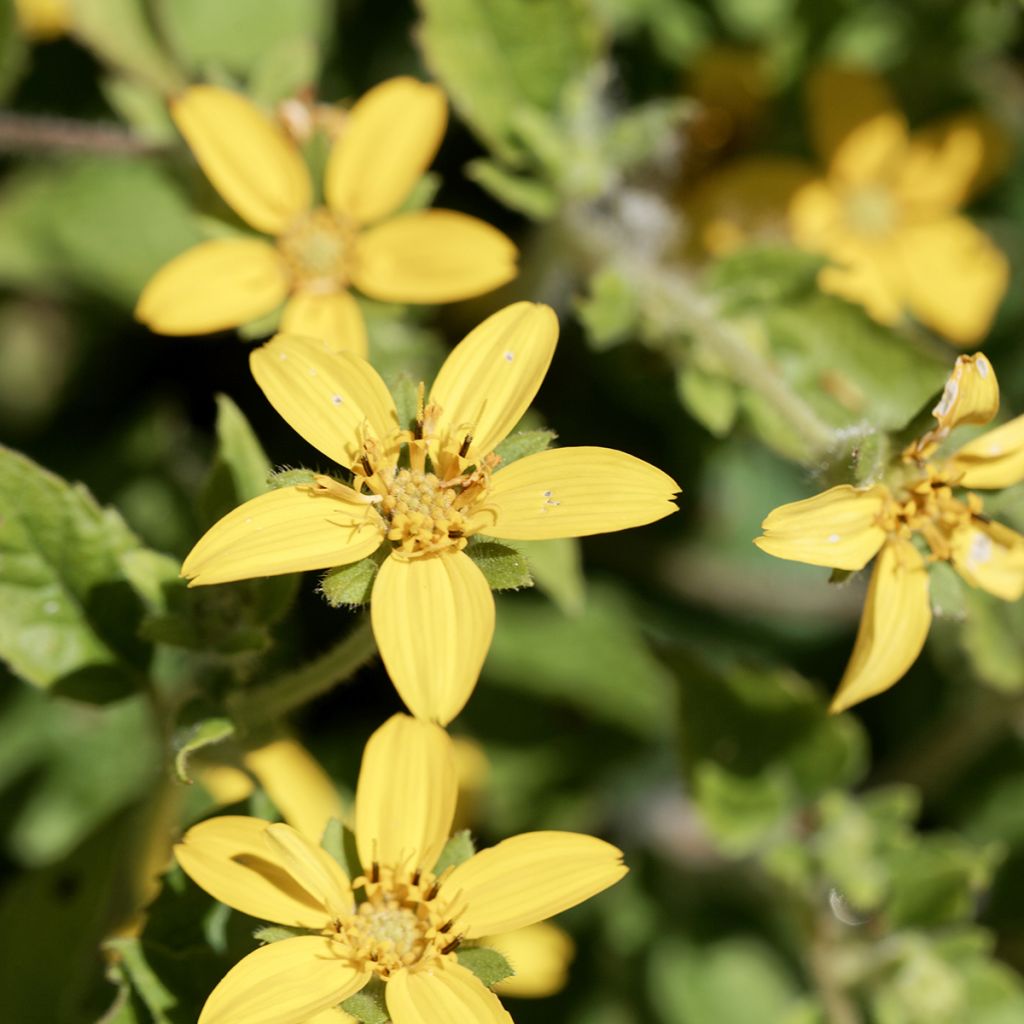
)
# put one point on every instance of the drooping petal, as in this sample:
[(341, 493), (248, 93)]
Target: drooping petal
[(990, 556), (954, 277), (249, 160), (335, 319), (871, 152), (539, 954), (286, 982), (838, 528), (296, 783), (576, 492), (390, 137), (893, 626), (312, 867), (287, 530), (215, 285), (528, 878), (937, 172), (432, 256), (994, 460), (840, 99), (490, 378), (433, 618), (971, 394), (447, 994), (405, 799), (230, 859)]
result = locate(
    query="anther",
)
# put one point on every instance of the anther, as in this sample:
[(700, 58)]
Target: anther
[(453, 945), (364, 461), (464, 448), (375, 872), (432, 892)]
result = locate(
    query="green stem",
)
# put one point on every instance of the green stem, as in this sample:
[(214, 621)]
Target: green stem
[(267, 704)]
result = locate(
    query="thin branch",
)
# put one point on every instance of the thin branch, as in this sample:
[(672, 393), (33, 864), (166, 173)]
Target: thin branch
[(27, 133)]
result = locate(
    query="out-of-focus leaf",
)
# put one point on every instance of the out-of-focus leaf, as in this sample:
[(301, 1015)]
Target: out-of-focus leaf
[(340, 843), (487, 964), (141, 107), (458, 849), (13, 50), (557, 570), (611, 311), (990, 637), (198, 736), (711, 400), (742, 812), (761, 275), (520, 192), (241, 467), (504, 566)]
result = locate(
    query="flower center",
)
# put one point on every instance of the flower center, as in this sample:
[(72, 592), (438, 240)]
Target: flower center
[(421, 512), (870, 210), (317, 248), (928, 507)]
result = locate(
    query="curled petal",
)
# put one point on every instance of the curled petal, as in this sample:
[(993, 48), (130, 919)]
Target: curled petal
[(991, 556), (335, 319), (971, 394), (312, 867), (994, 460), (447, 994)]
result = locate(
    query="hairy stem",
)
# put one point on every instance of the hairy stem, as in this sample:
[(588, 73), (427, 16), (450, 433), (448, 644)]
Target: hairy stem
[(30, 133)]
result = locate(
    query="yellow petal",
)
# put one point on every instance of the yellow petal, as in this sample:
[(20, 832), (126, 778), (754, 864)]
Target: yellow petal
[(990, 556), (539, 954), (335, 319), (299, 788), (867, 275), (389, 139), (229, 857), (971, 394), (816, 216), (996, 145), (249, 160), (215, 285), (287, 530), (447, 994), (872, 152), (994, 460), (937, 172), (893, 627), (528, 878), (327, 397), (576, 492), (405, 799), (954, 277), (286, 982), (433, 618), (44, 20), (837, 528), (312, 867), (225, 783), (841, 99), (432, 256), (490, 378)]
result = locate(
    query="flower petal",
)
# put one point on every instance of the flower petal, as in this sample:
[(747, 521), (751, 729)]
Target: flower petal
[(994, 460), (871, 152), (971, 394), (937, 173), (528, 878), (837, 528), (297, 785), (432, 256), (215, 285), (433, 618), (540, 955), (286, 982), (229, 857), (249, 160), (867, 275), (405, 799), (954, 276), (841, 99), (576, 492), (490, 378), (312, 867), (335, 319), (327, 397), (287, 530), (990, 556), (893, 626), (448, 994), (390, 137)]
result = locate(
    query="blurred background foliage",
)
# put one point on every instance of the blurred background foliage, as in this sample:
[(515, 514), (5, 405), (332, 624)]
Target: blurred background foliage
[(665, 687)]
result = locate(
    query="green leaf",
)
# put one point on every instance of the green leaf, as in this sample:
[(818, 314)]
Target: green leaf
[(158, 999), (610, 313), (557, 569), (406, 393), (276, 932), (457, 850), (241, 468), (710, 399), (990, 636), (487, 964), (350, 585), (206, 733), (368, 1004), (504, 567), (286, 68), (340, 843), (742, 812), (764, 275), (523, 443), (527, 195)]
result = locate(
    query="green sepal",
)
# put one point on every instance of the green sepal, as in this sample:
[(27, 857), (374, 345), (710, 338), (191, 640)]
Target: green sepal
[(291, 477), (406, 393), (456, 851), (206, 733), (276, 932), (522, 443), (340, 843), (504, 567), (368, 1003), (840, 576), (351, 585), (487, 964)]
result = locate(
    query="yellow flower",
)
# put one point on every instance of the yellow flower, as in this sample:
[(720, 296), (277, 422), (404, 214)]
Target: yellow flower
[(319, 251), (423, 493), (928, 499), (409, 923), (43, 19)]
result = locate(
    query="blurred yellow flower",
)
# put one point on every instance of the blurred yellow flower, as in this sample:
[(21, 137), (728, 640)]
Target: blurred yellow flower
[(540, 955), (930, 499), (43, 19), (431, 608), (357, 239), (410, 923)]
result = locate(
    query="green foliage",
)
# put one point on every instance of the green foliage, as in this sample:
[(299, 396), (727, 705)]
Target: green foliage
[(503, 565), (522, 443), (202, 734), (487, 964), (368, 1004), (457, 850), (557, 569), (351, 585)]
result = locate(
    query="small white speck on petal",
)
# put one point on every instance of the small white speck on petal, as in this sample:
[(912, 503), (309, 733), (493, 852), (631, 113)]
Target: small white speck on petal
[(995, 449), (982, 366), (834, 538), (283, 356), (509, 356), (312, 371), (981, 549), (948, 398), (547, 494), (336, 399)]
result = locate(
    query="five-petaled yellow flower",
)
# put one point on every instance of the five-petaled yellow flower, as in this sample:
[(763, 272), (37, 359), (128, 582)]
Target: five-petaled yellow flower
[(424, 492), (319, 251), (409, 923), (931, 499)]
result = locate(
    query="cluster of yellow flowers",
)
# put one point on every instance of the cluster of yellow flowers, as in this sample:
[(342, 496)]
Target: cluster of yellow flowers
[(420, 489)]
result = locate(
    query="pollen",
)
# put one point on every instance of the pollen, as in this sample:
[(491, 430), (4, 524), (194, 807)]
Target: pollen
[(423, 514), (317, 249)]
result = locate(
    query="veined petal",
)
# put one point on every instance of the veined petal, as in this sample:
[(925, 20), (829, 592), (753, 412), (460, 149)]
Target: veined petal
[(528, 878), (405, 799), (971, 394), (230, 859), (286, 982), (432, 256), (994, 460), (215, 285), (249, 160), (448, 994), (893, 626), (327, 397), (837, 528), (990, 556), (287, 530), (312, 867), (576, 492), (490, 378), (540, 955), (433, 618), (390, 137), (871, 152), (296, 783), (335, 319)]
